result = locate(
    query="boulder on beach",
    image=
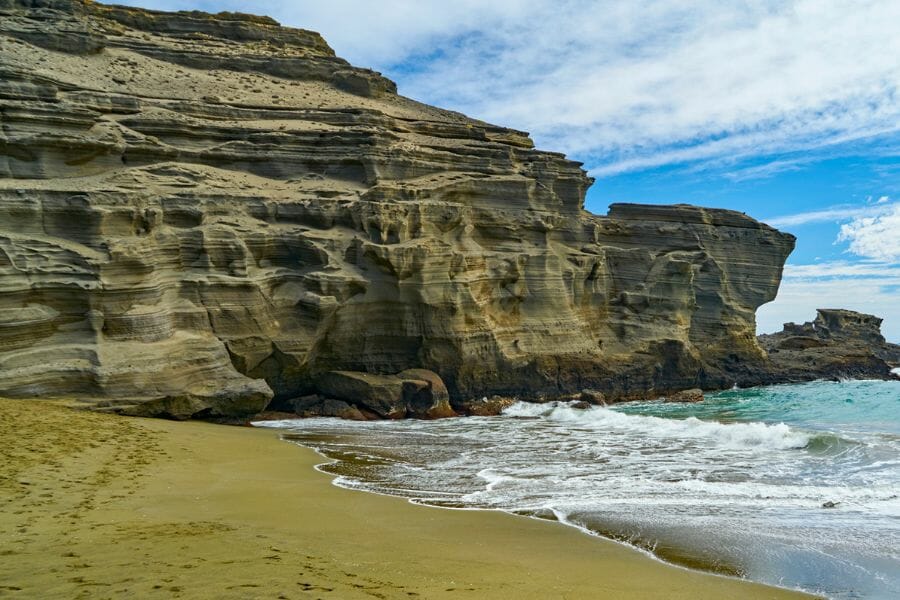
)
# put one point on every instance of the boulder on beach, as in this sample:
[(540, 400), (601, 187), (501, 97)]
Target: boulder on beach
[(417, 393)]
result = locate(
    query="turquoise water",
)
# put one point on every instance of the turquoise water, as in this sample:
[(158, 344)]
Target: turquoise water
[(858, 407), (852, 458), (735, 484)]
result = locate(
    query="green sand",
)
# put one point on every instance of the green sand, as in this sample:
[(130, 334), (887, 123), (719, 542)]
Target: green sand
[(100, 506)]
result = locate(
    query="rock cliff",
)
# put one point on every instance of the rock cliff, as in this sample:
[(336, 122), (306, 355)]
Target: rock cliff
[(206, 215), (838, 344)]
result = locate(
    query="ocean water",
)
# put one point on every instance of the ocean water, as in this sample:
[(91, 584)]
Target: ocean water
[(741, 484)]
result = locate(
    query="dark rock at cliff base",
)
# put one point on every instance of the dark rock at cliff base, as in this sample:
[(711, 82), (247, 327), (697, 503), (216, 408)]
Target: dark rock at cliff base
[(215, 404), (592, 397), (343, 410), (200, 213), (692, 395), (416, 393), (838, 344), (485, 407), (304, 405), (428, 401), (317, 406), (382, 394)]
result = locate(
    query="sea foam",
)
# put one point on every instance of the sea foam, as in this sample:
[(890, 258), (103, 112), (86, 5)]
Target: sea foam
[(796, 485), (776, 436)]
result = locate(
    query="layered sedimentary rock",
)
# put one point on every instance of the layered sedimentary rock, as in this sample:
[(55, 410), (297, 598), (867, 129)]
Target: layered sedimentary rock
[(208, 214), (838, 344)]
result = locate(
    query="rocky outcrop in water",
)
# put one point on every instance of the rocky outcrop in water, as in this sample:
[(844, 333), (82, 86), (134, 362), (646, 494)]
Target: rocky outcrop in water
[(206, 215), (838, 344)]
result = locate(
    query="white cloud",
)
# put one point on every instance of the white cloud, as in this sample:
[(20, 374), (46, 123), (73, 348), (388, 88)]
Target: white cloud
[(631, 85), (875, 237), (805, 288), (844, 270), (769, 169), (832, 214)]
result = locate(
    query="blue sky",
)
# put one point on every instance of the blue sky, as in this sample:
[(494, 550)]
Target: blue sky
[(787, 110)]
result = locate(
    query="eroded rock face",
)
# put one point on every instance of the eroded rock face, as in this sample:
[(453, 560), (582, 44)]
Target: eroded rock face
[(838, 344), (201, 213)]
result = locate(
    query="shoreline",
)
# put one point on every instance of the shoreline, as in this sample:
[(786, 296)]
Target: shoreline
[(704, 569), (105, 505)]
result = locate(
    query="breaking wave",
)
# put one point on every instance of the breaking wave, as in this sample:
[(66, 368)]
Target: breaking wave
[(732, 435)]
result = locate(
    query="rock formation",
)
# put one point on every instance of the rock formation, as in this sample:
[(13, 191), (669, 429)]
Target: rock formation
[(838, 344), (205, 215)]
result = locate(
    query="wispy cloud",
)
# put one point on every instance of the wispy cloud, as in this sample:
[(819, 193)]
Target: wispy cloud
[(833, 214), (843, 270), (769, 169), (631, 85)]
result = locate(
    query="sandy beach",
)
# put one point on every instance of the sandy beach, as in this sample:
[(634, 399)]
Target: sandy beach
[(101, 506)]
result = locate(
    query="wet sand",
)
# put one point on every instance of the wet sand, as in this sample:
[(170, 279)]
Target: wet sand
[(100, 506)]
